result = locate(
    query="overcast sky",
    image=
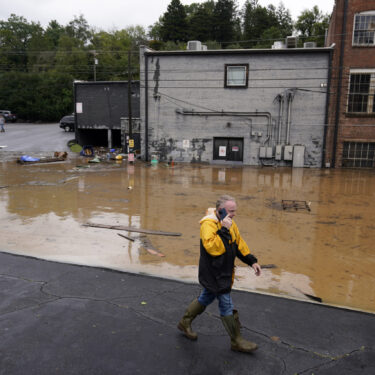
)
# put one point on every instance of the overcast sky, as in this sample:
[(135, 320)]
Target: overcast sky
[(118, 14)]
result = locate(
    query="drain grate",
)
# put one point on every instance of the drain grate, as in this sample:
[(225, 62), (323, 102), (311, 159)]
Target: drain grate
[(295, 205)]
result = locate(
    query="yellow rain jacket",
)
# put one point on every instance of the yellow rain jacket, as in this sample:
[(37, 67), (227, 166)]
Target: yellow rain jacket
[(218, 249)]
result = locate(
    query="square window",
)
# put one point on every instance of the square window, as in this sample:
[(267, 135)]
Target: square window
[(236, 75), (364, 29), (361, 93)]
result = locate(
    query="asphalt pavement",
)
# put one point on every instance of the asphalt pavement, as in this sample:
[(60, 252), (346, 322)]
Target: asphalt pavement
[(34, 138), (65, 319)]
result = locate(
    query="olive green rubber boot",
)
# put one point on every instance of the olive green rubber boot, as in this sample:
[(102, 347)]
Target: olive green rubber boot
[(238, 343), (184, 325), (237, 318)]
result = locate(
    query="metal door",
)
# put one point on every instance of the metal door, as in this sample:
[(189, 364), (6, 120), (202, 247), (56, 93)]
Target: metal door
[(228, 149)]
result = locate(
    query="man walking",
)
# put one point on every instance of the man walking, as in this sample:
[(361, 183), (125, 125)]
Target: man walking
[(2, 122), (220, 244)]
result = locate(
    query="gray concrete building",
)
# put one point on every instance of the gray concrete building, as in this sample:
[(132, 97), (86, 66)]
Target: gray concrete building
[(250, 107)]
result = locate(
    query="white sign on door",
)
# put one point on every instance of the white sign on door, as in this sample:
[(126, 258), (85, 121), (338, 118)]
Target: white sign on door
[(222, 150), (79, 107)]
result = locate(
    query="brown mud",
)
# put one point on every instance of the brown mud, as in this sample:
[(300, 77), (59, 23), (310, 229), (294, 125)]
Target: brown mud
[(327, 252)]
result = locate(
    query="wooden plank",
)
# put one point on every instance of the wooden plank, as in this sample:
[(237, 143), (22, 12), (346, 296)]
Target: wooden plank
[(132, 229)]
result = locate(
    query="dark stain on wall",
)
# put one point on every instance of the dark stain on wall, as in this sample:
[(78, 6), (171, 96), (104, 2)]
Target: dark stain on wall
[(198, 147), (156, 78), (164, 147)]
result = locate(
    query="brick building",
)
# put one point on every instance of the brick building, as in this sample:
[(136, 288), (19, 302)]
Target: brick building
[(350, 136)]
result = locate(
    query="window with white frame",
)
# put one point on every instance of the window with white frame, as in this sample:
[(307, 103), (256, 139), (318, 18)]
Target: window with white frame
[(236, 75), (358, 155), (364, 29), (361, 92)]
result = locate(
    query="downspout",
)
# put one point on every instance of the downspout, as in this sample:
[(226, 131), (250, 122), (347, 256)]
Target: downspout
[(338, 99), (327, 107), (146, 107), (290, 96)]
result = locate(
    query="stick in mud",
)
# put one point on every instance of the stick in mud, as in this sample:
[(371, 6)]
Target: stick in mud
[(268, 266), (314, 298), (131, 229), (128, 238)]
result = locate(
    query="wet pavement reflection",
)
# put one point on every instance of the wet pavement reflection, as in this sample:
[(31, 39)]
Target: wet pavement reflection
[(327, 252)]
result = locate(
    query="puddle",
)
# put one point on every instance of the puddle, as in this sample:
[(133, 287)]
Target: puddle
[(326, 252)]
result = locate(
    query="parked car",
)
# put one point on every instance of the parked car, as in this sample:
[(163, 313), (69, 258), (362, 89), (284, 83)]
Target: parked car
[(68, 123), (8, 115)]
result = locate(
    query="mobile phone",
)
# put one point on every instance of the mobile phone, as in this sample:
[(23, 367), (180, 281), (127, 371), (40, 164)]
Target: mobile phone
[(223, 213)]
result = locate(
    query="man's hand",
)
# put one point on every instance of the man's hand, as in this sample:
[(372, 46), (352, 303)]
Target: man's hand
[(226, 222), (257, 269)]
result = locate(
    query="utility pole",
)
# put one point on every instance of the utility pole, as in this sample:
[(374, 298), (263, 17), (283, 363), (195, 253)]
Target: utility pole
[(96, 61), (130, 135)]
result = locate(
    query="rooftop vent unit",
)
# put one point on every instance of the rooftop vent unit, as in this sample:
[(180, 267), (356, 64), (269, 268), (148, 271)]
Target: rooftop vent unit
[(309, 45), (194, 45), (278, 45), (291, 41)]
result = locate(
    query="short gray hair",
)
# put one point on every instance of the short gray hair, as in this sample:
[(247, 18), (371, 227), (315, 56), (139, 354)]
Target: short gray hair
[(224, 198)]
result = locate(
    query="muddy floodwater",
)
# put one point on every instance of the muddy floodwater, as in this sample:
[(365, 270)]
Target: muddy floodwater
[(323, 247)]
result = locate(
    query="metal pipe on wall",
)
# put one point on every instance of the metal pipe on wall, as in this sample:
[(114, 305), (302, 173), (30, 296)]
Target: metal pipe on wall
[(225, 113), (280, 98)]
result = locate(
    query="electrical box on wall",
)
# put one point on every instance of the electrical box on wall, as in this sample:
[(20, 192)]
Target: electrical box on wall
[(262, 152), (278, 153), (269, 152), (288, 152)]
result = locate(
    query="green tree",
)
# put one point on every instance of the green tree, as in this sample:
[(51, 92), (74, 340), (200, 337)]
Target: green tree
[(73, 53), (155, 30), (201, 21), (284, 19), (225, 16), (174, 23), (112, 52), (16, 35), (79, 29), (53, 33), (262, 26), (37, 96), (312, 24)]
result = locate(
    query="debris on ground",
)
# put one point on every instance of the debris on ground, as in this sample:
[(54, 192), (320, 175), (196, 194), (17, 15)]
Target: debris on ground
[(87, 151), (147, 245), (58, 156), (296, 205), (28, 158), (74, 146), (95, 160)]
